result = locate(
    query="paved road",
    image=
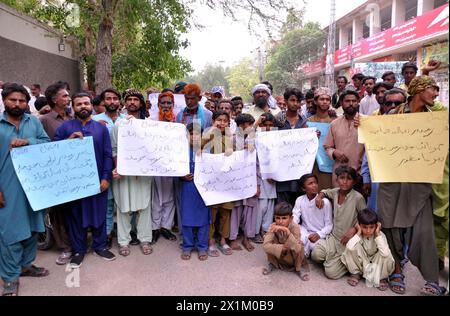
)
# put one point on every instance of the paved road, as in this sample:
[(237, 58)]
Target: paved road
[(164, 273)]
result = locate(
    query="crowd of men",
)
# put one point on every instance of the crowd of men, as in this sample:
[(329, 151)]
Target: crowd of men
[(414, 216)]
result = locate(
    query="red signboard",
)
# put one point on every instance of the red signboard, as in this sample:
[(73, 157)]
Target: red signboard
[(432, 22), (313, 67)]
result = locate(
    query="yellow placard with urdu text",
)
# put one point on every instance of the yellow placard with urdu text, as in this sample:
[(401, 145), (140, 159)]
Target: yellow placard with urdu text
[(406, 147)]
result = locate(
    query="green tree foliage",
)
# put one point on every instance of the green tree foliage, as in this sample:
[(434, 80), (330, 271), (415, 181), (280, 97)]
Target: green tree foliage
[(136, 43), (242, 78), (144, 43), (297, 46), (210, 76)]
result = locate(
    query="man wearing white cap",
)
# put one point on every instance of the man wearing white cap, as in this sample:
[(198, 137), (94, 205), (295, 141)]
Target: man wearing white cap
[(261, 94)]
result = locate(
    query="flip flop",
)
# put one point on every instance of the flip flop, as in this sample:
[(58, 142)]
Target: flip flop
[(124, 250), (202, 255), (213, 252), (225, 249), (186, 255), (34, 271), (146, 248), (303, 274), (11, 288)]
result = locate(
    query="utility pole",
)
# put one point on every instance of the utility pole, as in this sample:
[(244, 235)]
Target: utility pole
[(329, 69)]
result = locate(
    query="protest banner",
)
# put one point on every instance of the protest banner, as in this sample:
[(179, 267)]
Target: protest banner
[(221, 178), (152, 148), (406, 147), (324, 162), (287, 154), (58, 172)]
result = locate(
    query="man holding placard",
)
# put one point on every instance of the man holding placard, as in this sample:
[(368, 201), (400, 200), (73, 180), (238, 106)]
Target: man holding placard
[(405, 208), (341, 143), (19, 224), (163, 190), (59, 99), (89, 211), (132, 194)]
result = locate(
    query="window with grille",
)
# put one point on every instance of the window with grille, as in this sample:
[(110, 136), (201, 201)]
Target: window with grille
[(386, 18), (410, 9)]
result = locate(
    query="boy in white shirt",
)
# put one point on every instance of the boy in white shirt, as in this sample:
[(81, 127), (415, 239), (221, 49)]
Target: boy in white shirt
[(315, 223)]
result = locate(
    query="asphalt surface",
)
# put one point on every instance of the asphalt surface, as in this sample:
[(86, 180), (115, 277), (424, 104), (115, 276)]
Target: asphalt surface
[(164, 273)]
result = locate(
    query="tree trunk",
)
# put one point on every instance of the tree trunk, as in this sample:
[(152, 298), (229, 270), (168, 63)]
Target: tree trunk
[(103, 62)]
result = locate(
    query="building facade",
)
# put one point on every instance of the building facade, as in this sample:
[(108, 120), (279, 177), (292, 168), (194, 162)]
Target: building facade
[(388, 31)]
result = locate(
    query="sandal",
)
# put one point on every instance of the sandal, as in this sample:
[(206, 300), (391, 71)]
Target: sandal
[(353, 280), (398, 286), (146, 248), (186, 255), (267, 270), (213, 252), (225, 249), (124, 250), (167, 234), (202, 255), (433, 289), (383, 285), (258, 239), (303, 274), (11, 288), (34, 271)]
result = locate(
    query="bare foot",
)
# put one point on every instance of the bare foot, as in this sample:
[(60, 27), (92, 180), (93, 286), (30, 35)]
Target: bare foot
[(248, 245), (234, 245)]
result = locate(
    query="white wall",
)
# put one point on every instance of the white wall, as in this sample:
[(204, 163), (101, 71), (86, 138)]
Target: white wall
[(25, 30)]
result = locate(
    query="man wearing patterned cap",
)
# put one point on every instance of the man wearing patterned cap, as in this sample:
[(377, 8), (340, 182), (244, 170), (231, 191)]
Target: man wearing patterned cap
[(261, 94), (132, 195), (424, 88), (405, 209)]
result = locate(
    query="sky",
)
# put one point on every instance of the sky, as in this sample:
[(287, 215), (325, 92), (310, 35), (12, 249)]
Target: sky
[(225, 42)]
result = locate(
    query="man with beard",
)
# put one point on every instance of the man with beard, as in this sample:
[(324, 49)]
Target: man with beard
[(406, 209), (378, 90), (111, 100), (261, 94), (163, 190), (19, 224), (341, 82), (89, 211), (58, 98), (132, 195), (341, 142), (194, 112)]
